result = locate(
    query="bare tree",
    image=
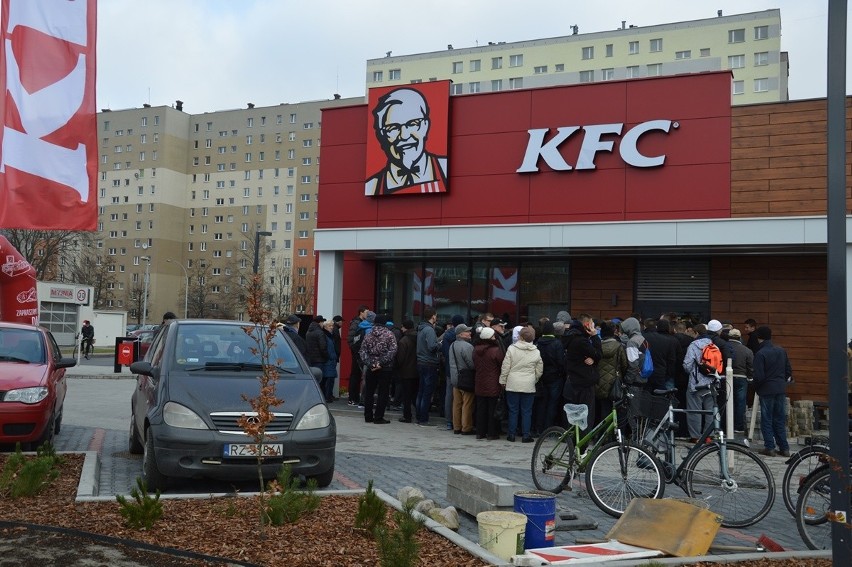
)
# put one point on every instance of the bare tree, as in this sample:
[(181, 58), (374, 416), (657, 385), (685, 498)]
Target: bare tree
[(136, 300), (87, 266), (42, 248), (276, 293), (199, 290), (302, 296)]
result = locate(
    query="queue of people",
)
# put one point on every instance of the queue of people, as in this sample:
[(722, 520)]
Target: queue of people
[(490, 379)]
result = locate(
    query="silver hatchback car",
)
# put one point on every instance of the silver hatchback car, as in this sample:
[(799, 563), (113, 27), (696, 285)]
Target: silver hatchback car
[(189, 397)]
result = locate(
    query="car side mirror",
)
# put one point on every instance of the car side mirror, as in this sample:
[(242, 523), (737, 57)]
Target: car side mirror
[(66, 362), (145, 368), (317, 373)]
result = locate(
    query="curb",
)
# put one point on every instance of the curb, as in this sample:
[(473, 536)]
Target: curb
[(732, 558)]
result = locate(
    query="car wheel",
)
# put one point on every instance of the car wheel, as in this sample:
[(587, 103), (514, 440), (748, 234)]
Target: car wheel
[(58, 426), (154, 480), (324, 479), (134, 446), (47, 436)]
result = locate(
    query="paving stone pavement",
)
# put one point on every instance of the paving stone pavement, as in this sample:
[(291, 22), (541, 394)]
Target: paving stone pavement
[(399, 454)]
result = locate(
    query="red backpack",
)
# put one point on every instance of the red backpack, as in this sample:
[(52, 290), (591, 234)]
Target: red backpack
[(711, 360)]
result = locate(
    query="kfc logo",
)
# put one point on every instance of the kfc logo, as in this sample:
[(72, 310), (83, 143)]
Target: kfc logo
[(404, 121), (48, 164)]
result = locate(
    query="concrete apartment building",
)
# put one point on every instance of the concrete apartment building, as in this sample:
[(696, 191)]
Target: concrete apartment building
[(187, 194), (747, 44)]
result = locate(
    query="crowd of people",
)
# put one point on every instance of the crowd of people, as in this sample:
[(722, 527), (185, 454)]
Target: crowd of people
[(476, 377)]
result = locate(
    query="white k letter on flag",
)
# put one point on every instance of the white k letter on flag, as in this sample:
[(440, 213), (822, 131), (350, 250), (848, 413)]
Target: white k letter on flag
[(48, 142)]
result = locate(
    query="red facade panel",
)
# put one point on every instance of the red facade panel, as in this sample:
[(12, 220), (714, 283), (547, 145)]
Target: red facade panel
[(489, 136)]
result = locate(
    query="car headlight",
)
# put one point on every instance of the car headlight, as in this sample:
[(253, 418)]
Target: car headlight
[(26, 395), (177, 415), (316, 418)]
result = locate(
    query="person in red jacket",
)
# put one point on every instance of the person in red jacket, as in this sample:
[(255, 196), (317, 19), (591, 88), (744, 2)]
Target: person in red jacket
[(487, 360)]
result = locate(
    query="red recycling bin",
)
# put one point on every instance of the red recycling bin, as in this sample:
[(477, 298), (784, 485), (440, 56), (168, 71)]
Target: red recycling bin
[(125, 353)]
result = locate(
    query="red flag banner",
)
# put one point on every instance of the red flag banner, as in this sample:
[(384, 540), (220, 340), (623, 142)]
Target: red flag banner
[(48, 143)]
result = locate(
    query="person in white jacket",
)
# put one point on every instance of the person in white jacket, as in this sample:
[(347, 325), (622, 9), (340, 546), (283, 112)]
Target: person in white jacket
[(522, 368)]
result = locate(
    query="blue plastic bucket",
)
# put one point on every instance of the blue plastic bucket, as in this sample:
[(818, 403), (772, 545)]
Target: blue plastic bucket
[(540, 509)]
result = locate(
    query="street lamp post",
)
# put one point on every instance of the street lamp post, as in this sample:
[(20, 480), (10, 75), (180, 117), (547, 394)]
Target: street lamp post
[(185, 289), (257, 236), (145, 298)]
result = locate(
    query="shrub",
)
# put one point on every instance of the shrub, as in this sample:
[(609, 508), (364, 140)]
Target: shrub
[(23, 476), (372, 511), (144, 512), (398, 547), (290, 503)]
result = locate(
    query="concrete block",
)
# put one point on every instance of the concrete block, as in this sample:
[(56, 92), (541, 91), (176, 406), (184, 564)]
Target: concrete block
[(473, 490)]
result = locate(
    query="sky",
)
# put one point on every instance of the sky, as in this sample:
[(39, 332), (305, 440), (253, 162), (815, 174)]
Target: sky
[(222, 54)]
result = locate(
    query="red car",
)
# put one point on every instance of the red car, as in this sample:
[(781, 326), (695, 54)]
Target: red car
[(32, 385)]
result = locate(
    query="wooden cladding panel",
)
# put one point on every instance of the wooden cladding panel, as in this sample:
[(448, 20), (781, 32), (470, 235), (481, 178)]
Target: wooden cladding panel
[(789, 294), (594, 282), (778, 159)]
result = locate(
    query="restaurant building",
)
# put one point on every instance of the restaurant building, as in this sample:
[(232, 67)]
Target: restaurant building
[(635, 196)]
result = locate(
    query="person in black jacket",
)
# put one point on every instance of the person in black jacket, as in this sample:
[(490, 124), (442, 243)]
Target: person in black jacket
[(316, 343), (291, 327), (353, 338), (582, 356), (772, 373), (552, 379), (664, 349), (406, 368)]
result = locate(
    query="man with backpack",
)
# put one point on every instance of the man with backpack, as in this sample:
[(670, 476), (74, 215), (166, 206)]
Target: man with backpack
[(703, 365)]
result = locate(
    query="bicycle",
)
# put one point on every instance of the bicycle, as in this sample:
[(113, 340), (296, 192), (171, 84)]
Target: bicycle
[(813, 509), (560, 454), (799, 467), (726, 475)]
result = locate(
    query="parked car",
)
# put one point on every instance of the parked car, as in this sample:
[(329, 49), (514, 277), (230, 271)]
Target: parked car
[(189, 397), (32, 385), (145, 336)]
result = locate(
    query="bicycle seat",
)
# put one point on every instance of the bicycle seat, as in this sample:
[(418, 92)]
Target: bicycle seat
[(665, 392)]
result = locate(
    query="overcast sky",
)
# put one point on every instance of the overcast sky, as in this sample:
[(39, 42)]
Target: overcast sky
[(222, 54)]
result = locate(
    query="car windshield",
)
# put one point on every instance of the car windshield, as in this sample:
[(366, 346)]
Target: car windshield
[(211, 346), (21, 345)]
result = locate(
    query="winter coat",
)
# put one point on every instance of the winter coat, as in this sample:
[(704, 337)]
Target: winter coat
[(329, 367), (692, 360), (743, 363), (771, 370), (297, 339), (447, 340), (406, 356), (580, 347), (352, 333), (379, 348), (553, 358), (316, 345), (664, 350), (522, 367), (613, 365), (428, 346), (488, 361), (632, 337), (460, 356)]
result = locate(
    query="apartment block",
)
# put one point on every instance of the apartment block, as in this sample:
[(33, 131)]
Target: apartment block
[(182, 197), (747, 44)]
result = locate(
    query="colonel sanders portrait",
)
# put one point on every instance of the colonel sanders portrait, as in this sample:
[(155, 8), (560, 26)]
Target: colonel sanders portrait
[(401, 125)]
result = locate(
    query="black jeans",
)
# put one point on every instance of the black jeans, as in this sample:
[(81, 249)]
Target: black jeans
[(355, 380), (409, 396), (376, 381), (485, 422)]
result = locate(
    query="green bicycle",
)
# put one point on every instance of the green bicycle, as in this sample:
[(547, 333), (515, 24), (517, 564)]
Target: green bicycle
[(560, 454)]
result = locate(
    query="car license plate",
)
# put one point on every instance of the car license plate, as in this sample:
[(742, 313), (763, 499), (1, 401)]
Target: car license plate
[(250, 450)]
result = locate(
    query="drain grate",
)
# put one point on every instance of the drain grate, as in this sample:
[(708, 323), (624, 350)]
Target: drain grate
[(127, 455)]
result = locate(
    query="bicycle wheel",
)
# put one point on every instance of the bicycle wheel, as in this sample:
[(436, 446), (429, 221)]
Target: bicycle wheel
[(812, 510), (552, 460), (799, 466), (741, 501), (618, 473)]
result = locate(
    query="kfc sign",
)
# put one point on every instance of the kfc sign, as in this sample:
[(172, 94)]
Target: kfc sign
[(48, 156), (592, 144)]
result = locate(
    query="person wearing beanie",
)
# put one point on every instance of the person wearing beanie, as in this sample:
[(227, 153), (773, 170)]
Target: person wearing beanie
[(521, 369), (378, 352), (714, 328), (743, 366), (353, 340), (487, 360), (447, 340), (364, 327), (552, 381), (772, 373), (564, 317)]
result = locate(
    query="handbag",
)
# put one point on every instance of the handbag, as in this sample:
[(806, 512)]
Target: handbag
[(617, 390), (500, 409), (466, 376)]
